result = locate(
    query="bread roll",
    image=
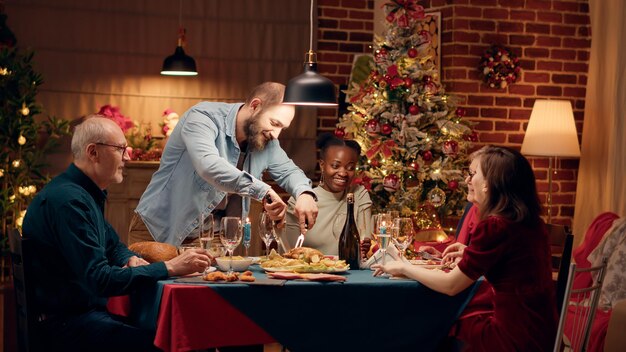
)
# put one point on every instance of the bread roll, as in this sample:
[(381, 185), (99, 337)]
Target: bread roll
[(154, 251)]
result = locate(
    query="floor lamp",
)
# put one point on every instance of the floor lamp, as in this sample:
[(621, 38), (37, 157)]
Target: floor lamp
[(551, 133)]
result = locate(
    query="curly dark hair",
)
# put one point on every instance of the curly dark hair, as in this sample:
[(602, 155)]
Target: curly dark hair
[(326, 140)]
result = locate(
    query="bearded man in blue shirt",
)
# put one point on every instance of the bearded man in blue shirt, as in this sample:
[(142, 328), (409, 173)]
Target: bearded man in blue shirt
[(76, 258), (213, 163)]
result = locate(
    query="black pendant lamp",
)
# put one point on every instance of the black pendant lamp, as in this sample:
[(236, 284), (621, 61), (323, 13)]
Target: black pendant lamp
[(310, 88), (179, 64)]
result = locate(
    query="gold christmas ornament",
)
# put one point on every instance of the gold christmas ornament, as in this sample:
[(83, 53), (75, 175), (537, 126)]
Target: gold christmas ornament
[(20, 219), (21, 140), (437, 197), (25, 110)]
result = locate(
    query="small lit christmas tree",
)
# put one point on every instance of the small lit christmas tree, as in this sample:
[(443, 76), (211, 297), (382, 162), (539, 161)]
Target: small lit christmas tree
[(25, 140), (414, 137)]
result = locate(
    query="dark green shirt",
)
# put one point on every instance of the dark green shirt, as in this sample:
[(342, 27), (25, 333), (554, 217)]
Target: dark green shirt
[(76, 256)]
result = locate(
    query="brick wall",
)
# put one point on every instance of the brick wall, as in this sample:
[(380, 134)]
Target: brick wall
[(552, 39)]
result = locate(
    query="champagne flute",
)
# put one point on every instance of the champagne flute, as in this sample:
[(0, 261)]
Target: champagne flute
[(205, 230), (230, 235), (402, 233), (205, 233), (383, 240), (267, 232)]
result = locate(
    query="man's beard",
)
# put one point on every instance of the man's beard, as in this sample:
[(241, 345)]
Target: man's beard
[(255, 137)]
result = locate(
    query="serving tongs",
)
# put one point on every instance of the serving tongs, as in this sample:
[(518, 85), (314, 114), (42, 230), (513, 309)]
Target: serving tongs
[(300, 239)]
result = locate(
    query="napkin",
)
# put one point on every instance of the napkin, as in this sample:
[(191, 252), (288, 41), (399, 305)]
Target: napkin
[(392, 254)]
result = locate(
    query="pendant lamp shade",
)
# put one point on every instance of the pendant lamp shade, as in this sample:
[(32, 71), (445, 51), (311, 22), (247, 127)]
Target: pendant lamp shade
[(310, 88), (179, 64)]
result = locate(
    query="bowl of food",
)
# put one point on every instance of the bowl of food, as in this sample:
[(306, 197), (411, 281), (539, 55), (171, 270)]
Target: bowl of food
[(239, 263)]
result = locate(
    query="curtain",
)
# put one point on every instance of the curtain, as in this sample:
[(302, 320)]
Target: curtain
[(602, 173)]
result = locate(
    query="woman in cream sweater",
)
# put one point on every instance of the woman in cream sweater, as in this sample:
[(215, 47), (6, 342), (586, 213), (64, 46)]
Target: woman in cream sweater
[(337, 164)]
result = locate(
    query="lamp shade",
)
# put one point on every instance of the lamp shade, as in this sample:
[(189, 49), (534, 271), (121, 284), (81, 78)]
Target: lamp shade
[(551, 130), (310, 88), (179, 64)]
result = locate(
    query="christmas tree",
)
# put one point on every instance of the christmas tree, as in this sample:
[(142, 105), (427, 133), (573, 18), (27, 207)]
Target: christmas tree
[(413, 135), (25, 139)]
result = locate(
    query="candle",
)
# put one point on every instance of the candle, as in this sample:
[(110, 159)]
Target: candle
[(383, 228), (246, 231), (441, 238)]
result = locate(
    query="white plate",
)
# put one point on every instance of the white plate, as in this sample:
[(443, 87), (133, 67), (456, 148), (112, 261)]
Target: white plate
[(300, 269)]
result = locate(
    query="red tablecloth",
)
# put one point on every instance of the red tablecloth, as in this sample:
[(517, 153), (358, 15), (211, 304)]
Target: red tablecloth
[(183, 316)]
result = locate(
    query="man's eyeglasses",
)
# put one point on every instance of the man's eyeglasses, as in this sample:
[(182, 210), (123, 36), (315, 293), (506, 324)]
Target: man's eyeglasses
[(121, 148)]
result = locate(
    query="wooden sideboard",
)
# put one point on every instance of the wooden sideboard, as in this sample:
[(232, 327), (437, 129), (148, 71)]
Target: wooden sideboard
[(124, 197)]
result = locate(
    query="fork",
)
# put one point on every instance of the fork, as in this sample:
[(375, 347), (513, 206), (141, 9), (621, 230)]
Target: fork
[(300, 240), (428, 256)]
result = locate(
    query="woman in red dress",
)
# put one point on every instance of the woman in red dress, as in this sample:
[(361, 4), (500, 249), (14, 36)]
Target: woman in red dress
[(509, 247)]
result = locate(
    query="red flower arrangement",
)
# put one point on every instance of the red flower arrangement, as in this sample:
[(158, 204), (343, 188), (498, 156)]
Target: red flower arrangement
[(113, 113), (499, 67)]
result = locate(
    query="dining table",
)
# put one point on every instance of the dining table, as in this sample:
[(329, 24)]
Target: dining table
[(363, 313)]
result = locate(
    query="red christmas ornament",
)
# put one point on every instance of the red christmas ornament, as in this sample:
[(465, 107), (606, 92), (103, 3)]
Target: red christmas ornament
[(390, 18), (340, 132), (386, 129), (453, 185), (391, 183), (427, 79), (451, 148), (412, 52), (414, 110), (472, 137), (430, 87), (375, 163), (407, 81), (415, 165), (427, 155), (460, 112), (372, 127)]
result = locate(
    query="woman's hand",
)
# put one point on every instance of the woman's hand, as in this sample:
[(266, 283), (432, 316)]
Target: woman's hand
[(453, 253), (395, 268)]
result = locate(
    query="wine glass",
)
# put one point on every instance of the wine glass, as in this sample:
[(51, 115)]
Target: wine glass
[(267, 232), (402, 233), (230, 235)]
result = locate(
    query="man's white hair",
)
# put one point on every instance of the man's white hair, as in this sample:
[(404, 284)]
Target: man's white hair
[(92, 130)]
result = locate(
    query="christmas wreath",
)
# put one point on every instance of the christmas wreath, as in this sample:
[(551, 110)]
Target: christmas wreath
[(499, 67)]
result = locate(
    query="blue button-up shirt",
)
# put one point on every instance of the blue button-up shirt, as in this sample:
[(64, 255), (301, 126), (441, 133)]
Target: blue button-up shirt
[(198, 169)]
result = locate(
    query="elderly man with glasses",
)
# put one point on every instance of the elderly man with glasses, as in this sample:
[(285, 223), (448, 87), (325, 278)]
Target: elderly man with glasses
[(76, 258)]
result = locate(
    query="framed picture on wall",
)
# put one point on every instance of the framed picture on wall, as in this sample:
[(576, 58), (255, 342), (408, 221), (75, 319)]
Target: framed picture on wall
[(432, 24)]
